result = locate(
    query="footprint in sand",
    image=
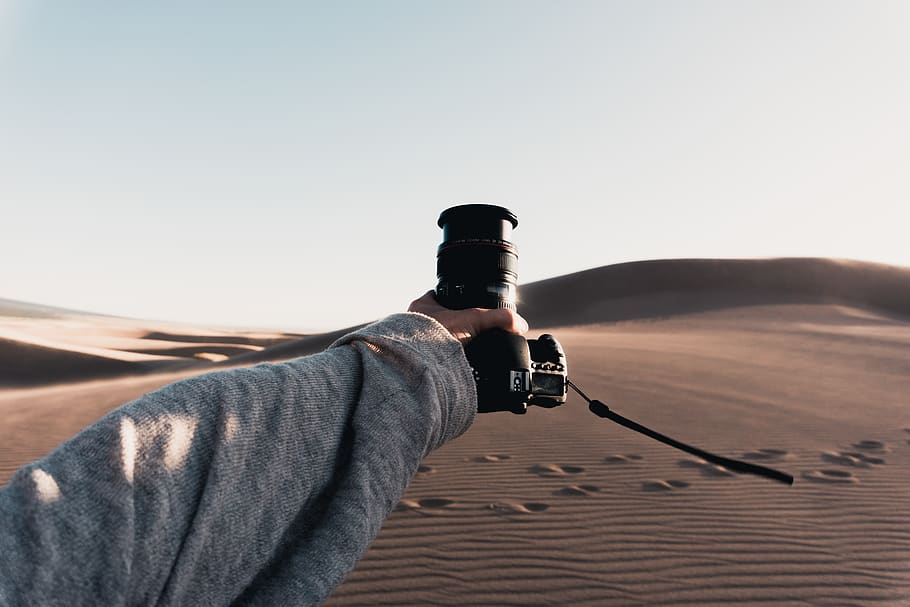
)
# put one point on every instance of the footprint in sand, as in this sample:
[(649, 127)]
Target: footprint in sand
[(706, 468), (853, 459), (431, 503), (435, 502), (621, 458), (517, 508), (766, 455), (661, 485), (831, 476), (492, 457), (425, 469), (552, 470), (577, 490), (872, 446)]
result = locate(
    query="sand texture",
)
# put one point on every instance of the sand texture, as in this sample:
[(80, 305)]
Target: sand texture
[(802, 365)]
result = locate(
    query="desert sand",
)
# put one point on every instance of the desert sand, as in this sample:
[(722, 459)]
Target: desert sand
[(799, 364)]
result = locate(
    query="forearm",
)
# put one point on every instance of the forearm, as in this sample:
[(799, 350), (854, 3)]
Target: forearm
[(265, 483)]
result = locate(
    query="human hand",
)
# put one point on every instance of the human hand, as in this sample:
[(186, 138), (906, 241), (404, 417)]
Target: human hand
[(464, 325)]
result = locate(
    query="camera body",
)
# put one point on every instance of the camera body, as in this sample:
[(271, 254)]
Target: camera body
[(513, 372), (477, 267)]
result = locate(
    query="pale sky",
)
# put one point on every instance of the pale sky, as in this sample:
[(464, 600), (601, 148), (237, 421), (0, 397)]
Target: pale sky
[(283, 164)]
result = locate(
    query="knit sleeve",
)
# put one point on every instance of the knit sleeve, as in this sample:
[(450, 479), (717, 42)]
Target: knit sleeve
[(259, 486)]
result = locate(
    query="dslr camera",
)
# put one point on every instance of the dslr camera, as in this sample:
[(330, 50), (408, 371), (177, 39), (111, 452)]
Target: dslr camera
[(477, 267)]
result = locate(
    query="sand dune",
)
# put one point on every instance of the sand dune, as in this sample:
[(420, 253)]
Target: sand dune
[(22, 309), (661, 288), (798, 364), (40, 345), (291, 349), (25, 363)]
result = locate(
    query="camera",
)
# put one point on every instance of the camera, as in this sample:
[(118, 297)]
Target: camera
[(477, 267)]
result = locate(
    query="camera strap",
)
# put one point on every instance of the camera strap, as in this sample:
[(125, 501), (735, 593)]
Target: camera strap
[(602, 410)]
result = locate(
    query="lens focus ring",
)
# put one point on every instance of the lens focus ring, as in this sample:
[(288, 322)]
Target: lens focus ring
[(476, 260)]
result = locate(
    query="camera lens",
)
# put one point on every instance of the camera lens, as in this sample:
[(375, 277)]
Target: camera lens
[(476, 264)]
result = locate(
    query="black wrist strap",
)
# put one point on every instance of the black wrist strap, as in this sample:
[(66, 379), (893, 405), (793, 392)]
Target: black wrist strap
[(602, 410)]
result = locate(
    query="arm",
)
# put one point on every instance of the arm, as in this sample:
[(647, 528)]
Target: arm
[(262, 485)]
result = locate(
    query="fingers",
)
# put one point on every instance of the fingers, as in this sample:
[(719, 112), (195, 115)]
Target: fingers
[(466, 324), (502, 318)]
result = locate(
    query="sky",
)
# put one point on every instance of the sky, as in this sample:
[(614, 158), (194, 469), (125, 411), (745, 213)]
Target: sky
[(283, 164)]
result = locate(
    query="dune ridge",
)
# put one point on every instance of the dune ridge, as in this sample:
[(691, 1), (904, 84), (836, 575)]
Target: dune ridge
[(24, 363), (635, 290), (656, 288), (23, 309), (41, 345)]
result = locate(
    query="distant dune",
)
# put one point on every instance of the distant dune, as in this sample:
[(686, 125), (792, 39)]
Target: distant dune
[(41, 345), (23, 363), (22, 309), (799, 364), (660, 288)]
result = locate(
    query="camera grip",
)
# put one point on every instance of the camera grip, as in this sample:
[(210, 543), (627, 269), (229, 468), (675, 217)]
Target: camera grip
[(502, 370)]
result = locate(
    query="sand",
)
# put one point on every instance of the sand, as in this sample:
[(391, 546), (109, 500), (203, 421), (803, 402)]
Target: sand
[(802, 365)]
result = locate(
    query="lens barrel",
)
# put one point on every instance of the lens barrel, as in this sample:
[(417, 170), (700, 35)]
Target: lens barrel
[(476, 264)]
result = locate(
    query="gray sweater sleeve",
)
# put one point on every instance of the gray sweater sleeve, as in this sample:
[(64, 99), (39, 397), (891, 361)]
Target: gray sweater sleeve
[(255, 486)]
